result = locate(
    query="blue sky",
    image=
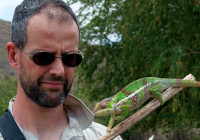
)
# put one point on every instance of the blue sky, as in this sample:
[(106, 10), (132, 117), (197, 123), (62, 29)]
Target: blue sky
[(7, 8)]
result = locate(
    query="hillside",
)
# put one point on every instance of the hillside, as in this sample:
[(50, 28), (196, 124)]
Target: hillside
[(5, 31)]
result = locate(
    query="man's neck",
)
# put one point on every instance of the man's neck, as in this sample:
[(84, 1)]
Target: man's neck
[(42, 122)]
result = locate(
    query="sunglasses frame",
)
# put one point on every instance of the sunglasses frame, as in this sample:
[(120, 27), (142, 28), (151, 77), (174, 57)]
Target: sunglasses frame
[(31, 55)]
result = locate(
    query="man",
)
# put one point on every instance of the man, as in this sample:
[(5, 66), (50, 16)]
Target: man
[(44, 51)]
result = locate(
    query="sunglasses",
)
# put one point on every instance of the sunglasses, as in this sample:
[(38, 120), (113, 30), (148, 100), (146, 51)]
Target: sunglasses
[(43, 58)]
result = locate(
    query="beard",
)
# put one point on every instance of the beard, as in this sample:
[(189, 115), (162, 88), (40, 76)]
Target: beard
[(47, 98)]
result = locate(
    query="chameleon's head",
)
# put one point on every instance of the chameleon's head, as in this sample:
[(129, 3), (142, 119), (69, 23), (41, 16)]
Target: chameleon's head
[(103, 108)]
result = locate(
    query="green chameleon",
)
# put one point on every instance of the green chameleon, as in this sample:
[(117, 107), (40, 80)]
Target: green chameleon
[(135, 94)]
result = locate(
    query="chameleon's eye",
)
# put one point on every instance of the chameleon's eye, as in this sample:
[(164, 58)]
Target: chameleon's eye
[(103, 105)]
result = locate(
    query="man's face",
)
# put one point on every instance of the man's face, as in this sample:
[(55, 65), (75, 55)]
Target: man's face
[(49, 85)]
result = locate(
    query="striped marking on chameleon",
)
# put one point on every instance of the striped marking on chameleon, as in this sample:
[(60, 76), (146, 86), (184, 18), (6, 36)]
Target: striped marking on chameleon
[(134, 101), (146, 94), (126, 92), (183, 83), (136, 90), (131, 95), (120, 96), (132, 87), (178, 82), (150, 81), (197, 84), (140, 95)]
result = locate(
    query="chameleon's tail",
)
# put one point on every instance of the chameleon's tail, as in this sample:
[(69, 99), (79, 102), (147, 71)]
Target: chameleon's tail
[(187, 83), (197, 84), (181, 83)]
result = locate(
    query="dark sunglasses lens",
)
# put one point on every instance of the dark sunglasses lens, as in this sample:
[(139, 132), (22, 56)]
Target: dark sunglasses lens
[(43, 58), (72, 60)]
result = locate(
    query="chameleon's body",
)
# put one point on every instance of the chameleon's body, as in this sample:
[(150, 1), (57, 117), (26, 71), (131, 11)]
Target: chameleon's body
[(135, 94)]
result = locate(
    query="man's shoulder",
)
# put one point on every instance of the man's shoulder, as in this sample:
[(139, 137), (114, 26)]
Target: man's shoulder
[(96, 130)]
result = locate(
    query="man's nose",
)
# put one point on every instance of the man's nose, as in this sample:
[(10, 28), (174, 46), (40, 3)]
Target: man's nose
[(57, 68)]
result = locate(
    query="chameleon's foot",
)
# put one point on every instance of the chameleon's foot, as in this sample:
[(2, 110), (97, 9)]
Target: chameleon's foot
[(108, 130), (157, 95)]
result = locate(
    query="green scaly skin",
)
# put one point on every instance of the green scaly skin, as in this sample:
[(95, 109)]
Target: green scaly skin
[(135, 94)]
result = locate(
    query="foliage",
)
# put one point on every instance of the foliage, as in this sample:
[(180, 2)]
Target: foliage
[(126, 40), (8, 86), (5, 33)]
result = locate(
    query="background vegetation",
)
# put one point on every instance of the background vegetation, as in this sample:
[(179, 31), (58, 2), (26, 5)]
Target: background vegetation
[(8, 87), (5, 29), (8, 82), (127, 40)]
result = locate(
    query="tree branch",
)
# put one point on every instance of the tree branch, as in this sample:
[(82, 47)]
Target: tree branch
[(132, 120)]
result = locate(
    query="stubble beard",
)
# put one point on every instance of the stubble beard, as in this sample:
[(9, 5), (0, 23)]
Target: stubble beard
[(40, 96)]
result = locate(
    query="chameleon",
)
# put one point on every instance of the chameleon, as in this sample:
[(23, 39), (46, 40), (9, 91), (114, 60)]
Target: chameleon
[(135, 94)]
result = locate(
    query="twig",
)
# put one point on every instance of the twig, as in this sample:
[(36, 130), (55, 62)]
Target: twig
[(123, 126)]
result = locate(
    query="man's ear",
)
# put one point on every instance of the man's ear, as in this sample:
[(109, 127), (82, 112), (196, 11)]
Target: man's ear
[(13, 54)]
